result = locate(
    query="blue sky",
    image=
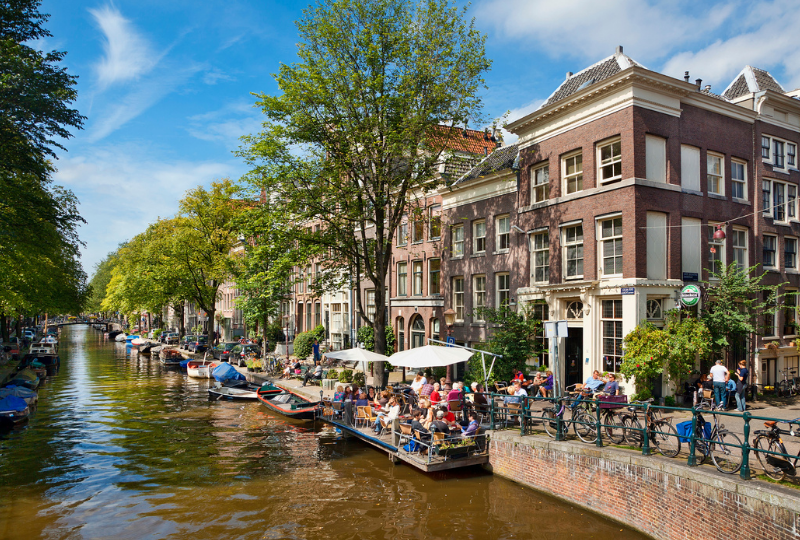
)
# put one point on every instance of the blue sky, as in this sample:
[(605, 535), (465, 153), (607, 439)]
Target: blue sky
[(166, 84)]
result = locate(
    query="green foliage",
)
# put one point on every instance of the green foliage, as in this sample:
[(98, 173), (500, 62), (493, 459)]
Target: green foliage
[(688, 339), (157, 332), (359, 378), (319, 333), (274, 335), (669, 401), (645, 354), (366, 336), (302, 344), (346, 376), (333, 374), (514, 335)]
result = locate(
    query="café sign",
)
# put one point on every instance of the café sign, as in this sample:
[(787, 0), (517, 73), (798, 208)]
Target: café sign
[(690, 295)]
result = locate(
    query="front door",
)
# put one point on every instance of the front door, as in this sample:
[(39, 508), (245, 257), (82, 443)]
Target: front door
[(573, 357)]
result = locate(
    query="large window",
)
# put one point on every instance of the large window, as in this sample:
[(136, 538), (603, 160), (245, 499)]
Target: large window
[(371, 304), (540, 183), (656, 157), (769, 316), (715, 173), (317, 314), (479, 236), (458, 297), (611, 245), (739, 179), (502, 226), (434, 273), (790, 313), (770, 247), (478, 296), (503, 288), (611, 320), (716, 251), (308, 316), (540, 257), (301, 283), (573, 251), (610, 161), (401, 334), (458, 240), (434, 222), (402, 279), (417, 332), (417, 234), (573, 173), (542, 312), (782, 204), (416, 270), (739, 242), (402, 234), (781, 154), (790, 253)]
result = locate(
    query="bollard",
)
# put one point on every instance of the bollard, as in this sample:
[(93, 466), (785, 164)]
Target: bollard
[(599, 441), (744, 472), (692, 441), (559, 421)]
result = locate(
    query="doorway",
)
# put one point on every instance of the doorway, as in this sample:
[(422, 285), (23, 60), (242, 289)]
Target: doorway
[(573, 357)]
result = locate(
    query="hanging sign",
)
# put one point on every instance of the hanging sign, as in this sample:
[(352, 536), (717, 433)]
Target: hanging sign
[(690, 295)]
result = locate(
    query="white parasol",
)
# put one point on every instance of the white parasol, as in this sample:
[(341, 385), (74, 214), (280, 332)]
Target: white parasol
[(430, 356)]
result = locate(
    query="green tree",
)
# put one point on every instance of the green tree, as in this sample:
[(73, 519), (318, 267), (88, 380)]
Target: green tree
[(688, 339), (357, 127), (366, 335), (646, 352), (99, 282)]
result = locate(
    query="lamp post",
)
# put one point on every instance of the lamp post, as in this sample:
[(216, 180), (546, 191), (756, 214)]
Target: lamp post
[(286, 336), (449, 319)]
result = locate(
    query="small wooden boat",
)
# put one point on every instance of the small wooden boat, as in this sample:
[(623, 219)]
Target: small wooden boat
[(26, 378), (236, 394), (200, 369), (114, 333), (13, 410), (29, 396), (146, 348), (289, 404), (170, 357)]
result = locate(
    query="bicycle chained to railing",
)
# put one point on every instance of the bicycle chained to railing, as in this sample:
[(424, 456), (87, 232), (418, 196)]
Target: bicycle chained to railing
[(660, 431), (724, 447), (581, 419), (771, 450)]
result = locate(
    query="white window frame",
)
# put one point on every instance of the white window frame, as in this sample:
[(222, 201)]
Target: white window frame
[(739, 181), (502, 287), (479, 236), (540, 256), (478, 296), (458, 297), (501, 233), (787, 263), (716, 261), (789, 309), (715, 176), (457, 240), (740, 252), (402, 278), (774, 243), (540, 183), (417, 277), (577, 244), (434, 221), (614, 240), (576, 176), (609, 162), (402, 233), (778, 147), (614, 337), (438, 273), (779, 200), (417, 237)]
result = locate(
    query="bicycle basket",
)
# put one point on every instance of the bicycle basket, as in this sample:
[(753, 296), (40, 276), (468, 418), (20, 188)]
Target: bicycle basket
[(610, 402), (708, 394)]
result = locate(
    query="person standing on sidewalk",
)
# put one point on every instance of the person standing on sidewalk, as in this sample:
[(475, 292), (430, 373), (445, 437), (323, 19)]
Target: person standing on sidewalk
[(315, 350), (742, 372), (720, 376)]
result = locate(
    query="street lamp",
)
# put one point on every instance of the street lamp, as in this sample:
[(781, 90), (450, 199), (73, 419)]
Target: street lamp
[(449, 319), (286, 335)]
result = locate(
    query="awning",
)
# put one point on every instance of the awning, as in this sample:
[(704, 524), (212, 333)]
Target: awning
[(430, 356)]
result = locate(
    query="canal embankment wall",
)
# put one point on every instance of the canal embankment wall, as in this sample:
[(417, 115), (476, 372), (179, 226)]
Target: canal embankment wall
[(660, 497)]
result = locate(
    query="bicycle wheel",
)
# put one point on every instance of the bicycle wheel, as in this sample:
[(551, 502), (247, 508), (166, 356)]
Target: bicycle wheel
[(585, 428), (665, 437), (633, 430), (727, 457), (549, 421), (770, 464), (613, 429)]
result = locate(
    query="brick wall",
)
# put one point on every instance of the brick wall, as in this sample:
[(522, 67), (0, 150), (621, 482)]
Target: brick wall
[(662, 498)]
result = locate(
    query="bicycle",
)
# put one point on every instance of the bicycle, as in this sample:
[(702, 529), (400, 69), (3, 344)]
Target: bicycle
[(787, 386), (776, 467), (660, 430), (581, 420), (611, 423), (724, 447)]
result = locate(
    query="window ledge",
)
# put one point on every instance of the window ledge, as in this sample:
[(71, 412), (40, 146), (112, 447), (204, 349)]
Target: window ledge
[(456, 257), (741, 201), (573, 278), (718, 196), (501, 252), (610, 180), (772, 269), (480, 324), (458, 323), (691, 192), (434, 239), (792, 271), (481, 254)]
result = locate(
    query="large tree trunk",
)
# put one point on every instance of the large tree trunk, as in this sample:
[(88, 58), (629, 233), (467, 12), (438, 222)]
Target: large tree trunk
[(182, 329), (4, 326), (379, 332), (264, 335)]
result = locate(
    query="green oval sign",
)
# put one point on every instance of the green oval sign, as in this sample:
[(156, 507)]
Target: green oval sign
[(690, 295)]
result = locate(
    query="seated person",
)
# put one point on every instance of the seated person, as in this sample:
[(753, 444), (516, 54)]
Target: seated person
[(416, 424), (356, 392), (730, 389), (612, 386), (516, 393), (339, 395), (439, 425), (362, 400), (371, 394), (479, 398), (316, 375), (592, 385), (419, 380), (426, 389), (388, 418), (435, 396), (536, 383), (287, 373), (547, 386), (296, 367), (382, 399), (519, 376), (429, 419), (444, 386), (472, 429), (424, 405), (348, 394)]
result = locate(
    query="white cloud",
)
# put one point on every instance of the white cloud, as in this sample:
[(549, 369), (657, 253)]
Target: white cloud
[(516, 114), (122, 190), (226, 124), (127, 55), (213, 76)]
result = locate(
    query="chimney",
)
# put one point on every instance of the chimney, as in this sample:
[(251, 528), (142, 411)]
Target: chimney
[(699, 83), (708, 88), (569, 74), (619, 50), (686, 76)]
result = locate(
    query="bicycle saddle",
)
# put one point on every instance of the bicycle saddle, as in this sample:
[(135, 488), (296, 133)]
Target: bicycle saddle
[(770, 423)]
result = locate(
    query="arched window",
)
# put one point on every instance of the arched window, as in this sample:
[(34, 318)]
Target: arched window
[(401, 334), (417, 332)]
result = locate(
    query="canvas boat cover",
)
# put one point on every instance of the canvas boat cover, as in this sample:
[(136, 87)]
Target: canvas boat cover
[(225, 371), (17, 391), (12, 403)]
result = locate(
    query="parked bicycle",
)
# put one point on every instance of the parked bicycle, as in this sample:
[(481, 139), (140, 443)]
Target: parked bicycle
[(724, 447), (660, 431), (581, 420), (776, 467), (788, 386)]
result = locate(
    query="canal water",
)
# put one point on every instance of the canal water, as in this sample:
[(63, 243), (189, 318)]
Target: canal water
[(121, 448)]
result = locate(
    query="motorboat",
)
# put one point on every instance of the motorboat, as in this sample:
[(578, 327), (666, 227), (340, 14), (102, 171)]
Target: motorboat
[(120, 338), (30, 396), (26, 378), (225, 392), (43, 348), (170, 357), (289, 404), (200, 369), (13, 410)]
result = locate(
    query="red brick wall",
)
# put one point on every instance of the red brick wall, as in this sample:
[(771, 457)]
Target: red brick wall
[(663, 498)]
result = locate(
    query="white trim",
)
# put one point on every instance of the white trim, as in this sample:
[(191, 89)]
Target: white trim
[(570, 223)]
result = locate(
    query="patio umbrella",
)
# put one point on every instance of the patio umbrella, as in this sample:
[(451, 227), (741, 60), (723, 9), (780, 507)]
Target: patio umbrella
[(356, 355), (430, 356)]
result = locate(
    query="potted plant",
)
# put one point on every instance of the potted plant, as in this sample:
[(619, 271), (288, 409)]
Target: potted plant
[(456, 449)]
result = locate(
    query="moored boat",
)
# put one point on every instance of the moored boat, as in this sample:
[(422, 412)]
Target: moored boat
[(26, 378), (170, 357), (200, 369), (120, 338), (13, 410), (289, 404), (30, 396), (236, 394)]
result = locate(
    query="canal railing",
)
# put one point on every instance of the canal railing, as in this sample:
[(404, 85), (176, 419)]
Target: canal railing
[(645, 428)]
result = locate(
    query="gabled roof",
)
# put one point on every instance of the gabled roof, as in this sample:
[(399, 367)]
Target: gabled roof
[(470, 141), (500, 159), (605, 68), (751, 80)]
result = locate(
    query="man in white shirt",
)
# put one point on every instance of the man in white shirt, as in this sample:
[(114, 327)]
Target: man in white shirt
[(720, 376)]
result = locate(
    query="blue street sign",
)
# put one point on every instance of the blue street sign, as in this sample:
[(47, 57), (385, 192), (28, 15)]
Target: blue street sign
[(451, 341)]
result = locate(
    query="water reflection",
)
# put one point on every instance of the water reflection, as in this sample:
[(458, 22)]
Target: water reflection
[(122, 448)]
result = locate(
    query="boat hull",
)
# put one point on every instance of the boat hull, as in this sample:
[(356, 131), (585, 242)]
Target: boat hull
[(200, 370), (234, 394), (289, 404)]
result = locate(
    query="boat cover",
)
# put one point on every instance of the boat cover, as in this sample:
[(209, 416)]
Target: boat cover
[(18, 391), (12, 403), (225, 371), (185, 363), (27, 375)]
